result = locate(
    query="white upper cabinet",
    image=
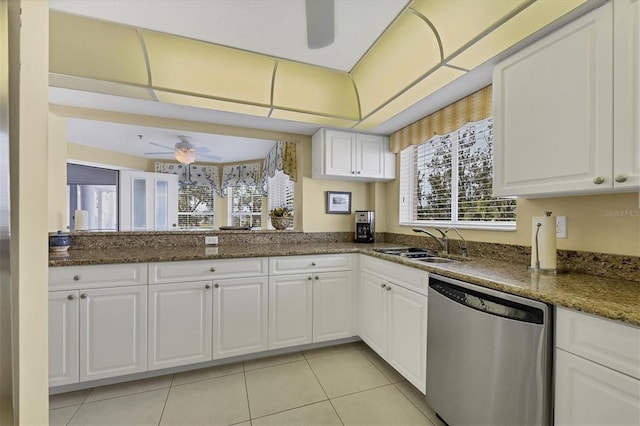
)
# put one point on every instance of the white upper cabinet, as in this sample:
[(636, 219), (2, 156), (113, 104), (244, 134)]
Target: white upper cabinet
[(148, 201), (558, 120), (352, 156), (626, 86)]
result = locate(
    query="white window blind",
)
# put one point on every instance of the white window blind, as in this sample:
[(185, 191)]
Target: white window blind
[(245, 206), (196, 207), (448, 181), (281, 189)]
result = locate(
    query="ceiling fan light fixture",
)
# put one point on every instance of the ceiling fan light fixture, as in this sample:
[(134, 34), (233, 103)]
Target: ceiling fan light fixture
[(185, 152)]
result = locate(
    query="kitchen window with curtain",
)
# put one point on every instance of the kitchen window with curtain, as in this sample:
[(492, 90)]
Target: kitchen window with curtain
[(281, 192), (447, 180), (196, 207)]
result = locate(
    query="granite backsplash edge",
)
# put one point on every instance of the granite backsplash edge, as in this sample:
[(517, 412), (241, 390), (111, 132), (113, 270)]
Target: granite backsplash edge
[(598, 264)]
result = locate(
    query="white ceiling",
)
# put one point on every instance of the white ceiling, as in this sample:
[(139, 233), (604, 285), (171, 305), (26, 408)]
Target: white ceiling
[(125, 138)]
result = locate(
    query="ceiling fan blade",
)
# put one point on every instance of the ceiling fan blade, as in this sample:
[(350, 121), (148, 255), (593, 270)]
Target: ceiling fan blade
[(159, 153), (210, 157), (202, 149), (320, 23), (163, 146)]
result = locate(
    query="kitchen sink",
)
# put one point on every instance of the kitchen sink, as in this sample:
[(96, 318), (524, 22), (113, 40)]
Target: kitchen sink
[(408, 252), (436, 259)]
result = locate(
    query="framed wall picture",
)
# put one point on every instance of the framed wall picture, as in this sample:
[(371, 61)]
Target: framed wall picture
[(338, 202)]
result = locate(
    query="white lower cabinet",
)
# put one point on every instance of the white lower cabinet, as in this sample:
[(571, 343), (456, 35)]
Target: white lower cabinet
[(180, 324), (393, 322), (240, 316), (113, 332), (597, 370), (332, 306), (63, 338), (290, 310)]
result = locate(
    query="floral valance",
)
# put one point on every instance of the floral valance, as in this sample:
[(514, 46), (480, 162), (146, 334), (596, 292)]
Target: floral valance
[(192, 174), (281, 157), (240, 174)]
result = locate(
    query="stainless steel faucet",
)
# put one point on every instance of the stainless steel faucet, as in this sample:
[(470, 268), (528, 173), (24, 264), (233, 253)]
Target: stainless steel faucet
[(442, 242), (463, 249)]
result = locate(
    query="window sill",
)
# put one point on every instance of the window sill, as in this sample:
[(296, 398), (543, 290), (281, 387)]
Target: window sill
[(488, 226)]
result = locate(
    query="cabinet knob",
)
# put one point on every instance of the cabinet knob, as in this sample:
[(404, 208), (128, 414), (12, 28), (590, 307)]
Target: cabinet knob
[(388, 288), (207, 286), (358, 172), (83, 296), (313, 263), (621, 178), (383, 285), (76, 277), (71, 297), (212, 269), (353, 172), (309, 277), (216, 285), (317, 277), (598, 180)]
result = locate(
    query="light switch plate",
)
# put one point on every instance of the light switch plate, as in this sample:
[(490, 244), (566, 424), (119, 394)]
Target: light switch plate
[(561, 227)]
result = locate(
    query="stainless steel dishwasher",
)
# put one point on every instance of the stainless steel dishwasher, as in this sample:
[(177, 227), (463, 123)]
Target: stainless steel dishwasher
[(488, 356)]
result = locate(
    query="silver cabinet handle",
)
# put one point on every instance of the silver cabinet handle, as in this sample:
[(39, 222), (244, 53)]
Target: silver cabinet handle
[(388, 288), (71, 297), (212, 269), (83, 296), (313, 263), (317, 277), (353, 172), (383, 285), (309, 277), (207, 286), (598, 180), (621, 178), (76, 277), (216, 285), (358, 172)]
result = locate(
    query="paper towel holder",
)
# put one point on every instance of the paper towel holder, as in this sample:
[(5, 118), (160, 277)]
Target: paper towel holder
[(537, 267)]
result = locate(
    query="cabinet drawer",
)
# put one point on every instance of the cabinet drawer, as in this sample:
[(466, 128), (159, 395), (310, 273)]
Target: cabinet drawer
[(196, 270), (404, 276), (95, 276), (310, 263), (612, 344)]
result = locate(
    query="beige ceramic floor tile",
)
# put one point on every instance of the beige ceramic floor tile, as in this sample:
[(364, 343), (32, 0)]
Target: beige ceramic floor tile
[(346, 373), (418, 399), (272, 360), (219, 401), (61, 416), (319, 414), (139, 409), (330, 350), (382, 365), (68, 399), (129, 388), (278, 388), (381, 406), (207, 373)]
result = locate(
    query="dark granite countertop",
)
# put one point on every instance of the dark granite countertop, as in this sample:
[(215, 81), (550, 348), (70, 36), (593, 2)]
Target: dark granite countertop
[(606, 297)]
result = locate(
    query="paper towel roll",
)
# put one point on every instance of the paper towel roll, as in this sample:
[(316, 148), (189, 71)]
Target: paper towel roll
[(546, 247), (81, 221)]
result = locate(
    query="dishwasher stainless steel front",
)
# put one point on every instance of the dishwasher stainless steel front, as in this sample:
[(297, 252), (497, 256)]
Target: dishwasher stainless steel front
[(489, 356)]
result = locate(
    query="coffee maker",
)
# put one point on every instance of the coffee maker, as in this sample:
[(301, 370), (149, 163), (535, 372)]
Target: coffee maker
[(365, 229)]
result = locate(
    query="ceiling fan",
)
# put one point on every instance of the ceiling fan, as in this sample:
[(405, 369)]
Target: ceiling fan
[(185, 152), (320, 23)]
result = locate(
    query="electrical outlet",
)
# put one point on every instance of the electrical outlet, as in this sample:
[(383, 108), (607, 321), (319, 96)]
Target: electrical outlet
[(210, 240), (561, 227)]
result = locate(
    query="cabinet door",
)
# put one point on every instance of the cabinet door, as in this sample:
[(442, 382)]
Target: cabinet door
[(626, 63), (369, 156), (332, 306), (588, 393), (180, 324), (290, 310), (113, 332), (63, 338), (553, 112), (373, 312), (148, 201), (408, 334), (339, 153), (240, 316)]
